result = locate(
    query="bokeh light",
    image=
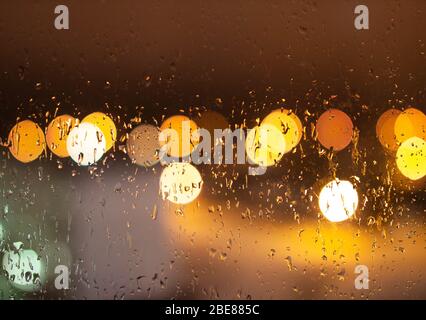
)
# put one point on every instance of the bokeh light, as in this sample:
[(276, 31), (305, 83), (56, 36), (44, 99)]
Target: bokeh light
[(265, 145), (176, 142), (86, 144), (385, 129), (410, 123), (338, 200), (107, 126), (57, 134), (289, 124), (411, 158), (228, 227), (334, 129), (211, 120), (180, 183), (143, 145), (23, 268), (26, 141)]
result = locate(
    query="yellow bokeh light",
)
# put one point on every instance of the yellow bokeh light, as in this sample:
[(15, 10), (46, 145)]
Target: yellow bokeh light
[(411, 158), (288, 123), (57, 134), (410, 123), (183, 137), (385, 129), (338, 200), (107, 126), (180, 183), (26, 141), (265, 145)]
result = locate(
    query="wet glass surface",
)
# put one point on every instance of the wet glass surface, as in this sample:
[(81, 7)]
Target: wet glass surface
[(122, 232)]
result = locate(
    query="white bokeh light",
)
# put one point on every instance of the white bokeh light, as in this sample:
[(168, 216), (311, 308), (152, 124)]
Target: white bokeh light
[(180, 183), (24, 269), (86, 144), (338, 200)]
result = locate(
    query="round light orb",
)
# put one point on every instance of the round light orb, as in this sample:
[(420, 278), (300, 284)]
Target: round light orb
[(180, 183), (57, 134), (289, 124), (180, 136), (411, 158), (265, 145), (107, 126), (24, 269), (410, 123), (86, 144), (26, 141), (338, 200), (211, 120), (385, 129), (143, 145), (334, 129)]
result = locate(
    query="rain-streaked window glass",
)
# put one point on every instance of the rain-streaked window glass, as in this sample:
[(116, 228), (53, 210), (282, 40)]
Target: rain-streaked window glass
[(212, 150)]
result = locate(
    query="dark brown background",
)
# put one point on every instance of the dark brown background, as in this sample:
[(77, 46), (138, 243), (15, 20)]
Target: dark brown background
[(197, 51)]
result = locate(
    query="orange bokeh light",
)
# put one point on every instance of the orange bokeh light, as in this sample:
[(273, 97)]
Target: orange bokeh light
[(385, 129), (410, 123), (176, 142), (334, 129), (26, 141), (57, 134)]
